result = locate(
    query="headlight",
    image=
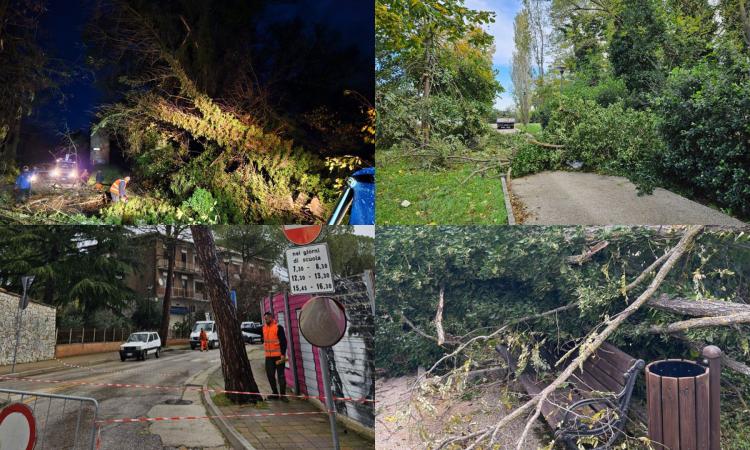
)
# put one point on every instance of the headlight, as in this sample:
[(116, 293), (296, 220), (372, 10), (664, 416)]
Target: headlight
[(55, 172), (33, 178), (73, 173)]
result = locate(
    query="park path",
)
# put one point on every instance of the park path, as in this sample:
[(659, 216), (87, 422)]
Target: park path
[(577, 198)]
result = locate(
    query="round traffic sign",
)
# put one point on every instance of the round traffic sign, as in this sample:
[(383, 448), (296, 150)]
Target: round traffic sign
[(17, 427), (302, 234), (322, 321)]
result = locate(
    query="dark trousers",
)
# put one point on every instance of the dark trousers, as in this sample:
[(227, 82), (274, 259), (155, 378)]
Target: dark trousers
[(273, 372)]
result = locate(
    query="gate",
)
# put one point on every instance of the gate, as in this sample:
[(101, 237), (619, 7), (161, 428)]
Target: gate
[(62, 421)]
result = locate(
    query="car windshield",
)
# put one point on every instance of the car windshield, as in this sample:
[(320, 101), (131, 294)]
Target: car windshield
[(209, 327), (138, 337)]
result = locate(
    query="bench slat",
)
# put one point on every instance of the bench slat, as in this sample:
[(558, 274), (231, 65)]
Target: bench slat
[(595, 369), (616, 357)]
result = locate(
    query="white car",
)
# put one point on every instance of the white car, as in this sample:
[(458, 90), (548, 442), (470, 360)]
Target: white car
[(140, 345), (210, 328), (248, 335)]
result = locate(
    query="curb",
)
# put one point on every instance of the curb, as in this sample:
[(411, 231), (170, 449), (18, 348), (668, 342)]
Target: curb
[(508, 206), (346, 422), (236, 440)]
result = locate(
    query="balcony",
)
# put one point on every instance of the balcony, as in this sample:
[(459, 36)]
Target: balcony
[(178, 292), (162, 263)]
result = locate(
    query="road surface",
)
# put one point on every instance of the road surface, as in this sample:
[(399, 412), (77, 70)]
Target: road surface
[(173, 368), (577, 198)]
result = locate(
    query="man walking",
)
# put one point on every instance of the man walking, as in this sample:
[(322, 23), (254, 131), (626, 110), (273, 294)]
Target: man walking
[(204, 340)]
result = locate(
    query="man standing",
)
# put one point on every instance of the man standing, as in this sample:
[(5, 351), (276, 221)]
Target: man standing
[(204, 340), (274, 344), (23, 185), (117, 190)]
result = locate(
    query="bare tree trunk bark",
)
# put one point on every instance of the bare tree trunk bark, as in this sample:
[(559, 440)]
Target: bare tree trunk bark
[(439, 317), (167, 303), (701, 322), (697, 308), (235, 366)]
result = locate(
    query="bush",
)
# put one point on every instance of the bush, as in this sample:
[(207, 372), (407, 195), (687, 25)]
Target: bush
[(532, 158), (705, 123), (613, 139)]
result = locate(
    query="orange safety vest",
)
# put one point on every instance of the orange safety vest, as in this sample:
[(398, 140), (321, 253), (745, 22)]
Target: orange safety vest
[(115, 188), (271, 340)]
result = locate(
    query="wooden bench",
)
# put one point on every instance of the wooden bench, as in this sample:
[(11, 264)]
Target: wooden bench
[(596, 400)]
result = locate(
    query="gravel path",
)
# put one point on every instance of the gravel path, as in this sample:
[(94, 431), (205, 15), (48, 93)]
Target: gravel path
[(576, 198)]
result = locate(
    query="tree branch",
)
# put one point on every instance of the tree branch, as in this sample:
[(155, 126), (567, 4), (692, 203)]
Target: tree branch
[(702, 322), (439, 317), (697, 308)]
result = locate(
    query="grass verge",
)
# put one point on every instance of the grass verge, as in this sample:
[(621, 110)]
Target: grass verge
[(448, 196)]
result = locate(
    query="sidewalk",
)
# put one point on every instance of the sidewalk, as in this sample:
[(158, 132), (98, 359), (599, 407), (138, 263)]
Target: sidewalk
[(71, 362), (281, 432)]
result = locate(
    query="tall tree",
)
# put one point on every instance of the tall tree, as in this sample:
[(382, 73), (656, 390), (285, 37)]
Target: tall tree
[(82, 266), (170, 238), (235, 366), (635, 48), (538, 24), (521, 70)]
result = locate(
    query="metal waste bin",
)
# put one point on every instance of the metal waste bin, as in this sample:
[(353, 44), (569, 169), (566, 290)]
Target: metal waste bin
[(683, 403)]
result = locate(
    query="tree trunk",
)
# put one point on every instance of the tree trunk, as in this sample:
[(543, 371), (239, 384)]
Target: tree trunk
[(235, 366), (697, 308), (167, 303)]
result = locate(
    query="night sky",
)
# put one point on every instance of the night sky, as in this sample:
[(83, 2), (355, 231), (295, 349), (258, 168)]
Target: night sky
[(61, 36)]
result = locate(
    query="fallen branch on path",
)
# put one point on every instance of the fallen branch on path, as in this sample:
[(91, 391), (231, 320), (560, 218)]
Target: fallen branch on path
[(588, 348)]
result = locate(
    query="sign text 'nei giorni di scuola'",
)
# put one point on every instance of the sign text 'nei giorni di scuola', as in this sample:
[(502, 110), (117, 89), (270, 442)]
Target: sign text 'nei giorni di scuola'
[(309, 269)]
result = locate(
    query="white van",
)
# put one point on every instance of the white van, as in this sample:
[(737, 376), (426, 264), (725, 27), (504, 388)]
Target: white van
[(213, 336)]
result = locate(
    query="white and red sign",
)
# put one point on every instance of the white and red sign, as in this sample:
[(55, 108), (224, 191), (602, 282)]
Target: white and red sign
[(302, 234), (309, 269), (17, 427)]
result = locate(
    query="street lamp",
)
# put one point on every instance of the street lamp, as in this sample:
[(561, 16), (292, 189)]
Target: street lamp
[(561, 69)]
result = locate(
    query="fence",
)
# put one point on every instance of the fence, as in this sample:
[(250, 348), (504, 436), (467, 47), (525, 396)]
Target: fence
[(92, 335), (62, 421)]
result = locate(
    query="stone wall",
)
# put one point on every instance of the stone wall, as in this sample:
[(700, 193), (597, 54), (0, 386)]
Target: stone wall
[(37, 341)]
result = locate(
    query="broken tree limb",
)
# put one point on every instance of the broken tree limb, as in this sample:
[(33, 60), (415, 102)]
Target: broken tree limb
[(726, 361), (588, 254), (591, 344), (439, 317), (702, 322), (416, 329), (648, 271), (697, 308)]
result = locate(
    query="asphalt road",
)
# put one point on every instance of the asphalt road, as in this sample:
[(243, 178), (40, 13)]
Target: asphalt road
[(577, 198), (171, 369)]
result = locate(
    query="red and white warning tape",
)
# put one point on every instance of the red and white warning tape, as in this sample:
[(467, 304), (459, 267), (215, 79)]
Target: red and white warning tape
[(187, 388), (229, 416)]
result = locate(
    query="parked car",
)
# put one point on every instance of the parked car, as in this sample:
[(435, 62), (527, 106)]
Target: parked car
[(213, 336), (65, 171), (141, 344), (249, 333)]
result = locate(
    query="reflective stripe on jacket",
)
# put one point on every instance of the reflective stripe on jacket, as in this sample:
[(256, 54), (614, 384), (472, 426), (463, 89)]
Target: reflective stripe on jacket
[(271, 340), (115, 188)]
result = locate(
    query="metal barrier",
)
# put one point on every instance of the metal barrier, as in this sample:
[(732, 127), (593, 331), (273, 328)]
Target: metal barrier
[(69, 421)]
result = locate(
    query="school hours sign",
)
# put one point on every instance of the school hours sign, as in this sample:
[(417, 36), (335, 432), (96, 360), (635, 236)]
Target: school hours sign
[(309, 269)]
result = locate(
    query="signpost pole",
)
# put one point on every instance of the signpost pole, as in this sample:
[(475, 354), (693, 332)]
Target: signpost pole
[(329, 396)]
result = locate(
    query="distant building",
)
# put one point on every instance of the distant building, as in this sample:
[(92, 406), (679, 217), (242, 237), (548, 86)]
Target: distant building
[(100, 148), (189, 295)]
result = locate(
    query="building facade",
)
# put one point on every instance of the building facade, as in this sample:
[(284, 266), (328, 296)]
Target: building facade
[(189, 297)]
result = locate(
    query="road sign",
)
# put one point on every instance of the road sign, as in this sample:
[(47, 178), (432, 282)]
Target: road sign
[(309, 269), (302, 234), (17, 427), (322, 321), (233, 298), (26, 284)]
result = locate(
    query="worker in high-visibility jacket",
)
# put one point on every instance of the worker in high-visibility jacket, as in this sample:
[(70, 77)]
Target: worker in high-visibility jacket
[(274, 344), (117, 190)]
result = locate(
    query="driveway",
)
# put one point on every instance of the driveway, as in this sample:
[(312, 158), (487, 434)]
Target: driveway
[(576, 198)]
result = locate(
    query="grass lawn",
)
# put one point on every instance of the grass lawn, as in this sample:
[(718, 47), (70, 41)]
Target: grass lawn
[(534, 129), (440, 197)]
